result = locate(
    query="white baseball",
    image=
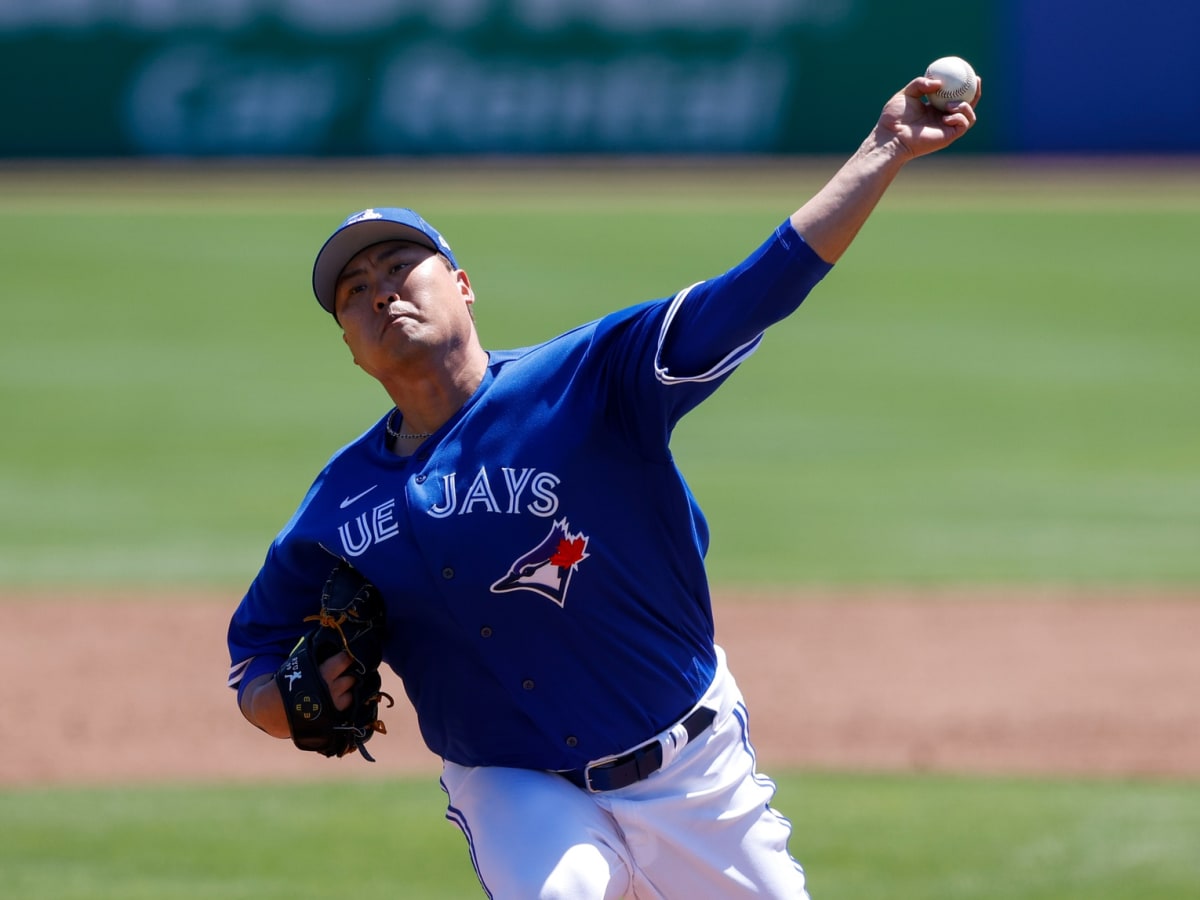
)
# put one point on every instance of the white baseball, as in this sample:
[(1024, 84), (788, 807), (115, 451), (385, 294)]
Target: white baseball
[(958, 79)]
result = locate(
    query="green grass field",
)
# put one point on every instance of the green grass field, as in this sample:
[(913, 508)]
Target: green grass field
[(915, 838), (998, 384)]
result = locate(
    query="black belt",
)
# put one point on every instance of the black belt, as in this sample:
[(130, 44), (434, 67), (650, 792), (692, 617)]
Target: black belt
[(637, 764)]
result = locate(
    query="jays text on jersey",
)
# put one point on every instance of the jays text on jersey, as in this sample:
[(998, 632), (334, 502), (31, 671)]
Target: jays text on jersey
[(541, 556)]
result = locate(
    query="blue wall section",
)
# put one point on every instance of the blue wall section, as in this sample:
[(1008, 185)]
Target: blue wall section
[(1103, 75)]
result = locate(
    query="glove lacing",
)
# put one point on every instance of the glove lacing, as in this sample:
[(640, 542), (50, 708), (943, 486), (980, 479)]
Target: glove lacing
[(326, 619)]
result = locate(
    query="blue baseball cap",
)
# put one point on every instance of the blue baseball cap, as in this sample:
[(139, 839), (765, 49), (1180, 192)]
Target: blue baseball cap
[(362, 230)]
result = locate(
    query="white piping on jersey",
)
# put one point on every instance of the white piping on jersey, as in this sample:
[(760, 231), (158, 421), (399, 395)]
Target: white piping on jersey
[(731, 361), (236, 672)]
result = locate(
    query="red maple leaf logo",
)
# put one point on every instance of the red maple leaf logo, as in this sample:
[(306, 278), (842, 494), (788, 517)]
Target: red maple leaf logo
[(569, 552)]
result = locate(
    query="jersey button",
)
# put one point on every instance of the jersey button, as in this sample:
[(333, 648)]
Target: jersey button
[(420, 479), (572, 741), (485, 631), (447, 573), (527, 684)]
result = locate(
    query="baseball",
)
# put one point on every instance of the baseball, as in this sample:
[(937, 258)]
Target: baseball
[(959, 81)]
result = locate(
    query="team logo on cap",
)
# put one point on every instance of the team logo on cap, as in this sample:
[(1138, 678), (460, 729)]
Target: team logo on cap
[(363, 216), (548, 567)]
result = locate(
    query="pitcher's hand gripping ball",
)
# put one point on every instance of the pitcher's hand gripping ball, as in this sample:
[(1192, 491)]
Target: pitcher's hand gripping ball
[(959, 81), (351, 619)]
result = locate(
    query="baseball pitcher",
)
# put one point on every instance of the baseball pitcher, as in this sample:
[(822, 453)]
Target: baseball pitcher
[(513, 538)]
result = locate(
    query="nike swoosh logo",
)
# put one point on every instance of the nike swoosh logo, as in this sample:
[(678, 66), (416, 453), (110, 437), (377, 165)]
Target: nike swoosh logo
[(357, 497)]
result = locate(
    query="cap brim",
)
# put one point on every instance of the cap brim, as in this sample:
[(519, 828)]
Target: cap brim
[(347, 243)]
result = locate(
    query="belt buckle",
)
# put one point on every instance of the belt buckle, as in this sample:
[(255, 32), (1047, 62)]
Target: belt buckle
[(587, 779), (612, 762), (607, 762)]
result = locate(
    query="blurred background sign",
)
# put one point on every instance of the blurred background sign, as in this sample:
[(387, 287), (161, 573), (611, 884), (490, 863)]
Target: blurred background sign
[(311, 77)]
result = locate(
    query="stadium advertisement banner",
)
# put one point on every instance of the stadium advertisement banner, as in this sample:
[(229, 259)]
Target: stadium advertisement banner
[(311, 77)]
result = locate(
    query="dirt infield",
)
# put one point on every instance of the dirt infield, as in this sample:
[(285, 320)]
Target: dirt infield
[(117, 690)]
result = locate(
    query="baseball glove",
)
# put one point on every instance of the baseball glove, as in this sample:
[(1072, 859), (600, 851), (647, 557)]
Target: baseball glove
[(351, 619)]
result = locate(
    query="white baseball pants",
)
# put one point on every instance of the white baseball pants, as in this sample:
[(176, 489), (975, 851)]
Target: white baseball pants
[(700, 827)]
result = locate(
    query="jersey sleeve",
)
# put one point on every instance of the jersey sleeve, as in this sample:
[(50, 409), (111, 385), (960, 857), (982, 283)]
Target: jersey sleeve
[(714, 325), (657, 361)]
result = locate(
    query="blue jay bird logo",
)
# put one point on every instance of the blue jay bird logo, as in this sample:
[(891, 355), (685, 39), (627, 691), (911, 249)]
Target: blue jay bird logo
[(548, 567)]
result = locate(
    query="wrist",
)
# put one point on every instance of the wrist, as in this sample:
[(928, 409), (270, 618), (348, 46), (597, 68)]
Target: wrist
[(262, 705), (884, 149)]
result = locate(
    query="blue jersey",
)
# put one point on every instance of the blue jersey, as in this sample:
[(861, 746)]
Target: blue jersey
[(541, 556)]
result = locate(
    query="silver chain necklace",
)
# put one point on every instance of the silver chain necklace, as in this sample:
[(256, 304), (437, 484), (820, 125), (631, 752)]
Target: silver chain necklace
[(396, 435)]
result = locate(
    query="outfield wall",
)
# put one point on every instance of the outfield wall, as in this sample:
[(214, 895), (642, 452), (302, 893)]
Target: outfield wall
[(310, 77)]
